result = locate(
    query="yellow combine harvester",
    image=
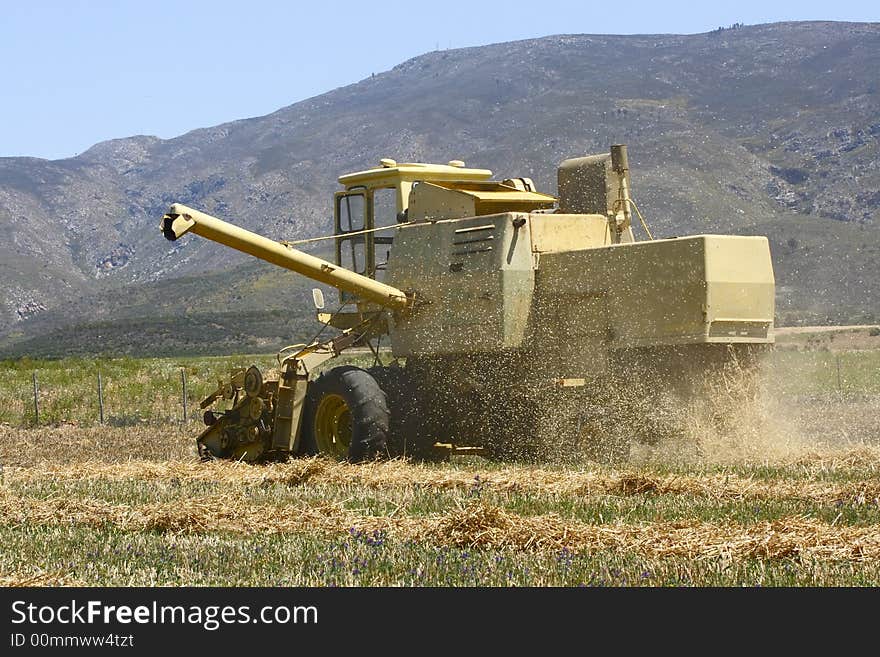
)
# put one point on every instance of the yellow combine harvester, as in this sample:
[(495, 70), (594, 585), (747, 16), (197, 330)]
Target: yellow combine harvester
[(517, 315)]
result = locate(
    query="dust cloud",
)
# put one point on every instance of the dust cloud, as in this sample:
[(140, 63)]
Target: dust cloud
[(738, 413)]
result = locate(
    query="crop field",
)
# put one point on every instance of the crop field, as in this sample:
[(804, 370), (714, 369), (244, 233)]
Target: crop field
[(790, 499)]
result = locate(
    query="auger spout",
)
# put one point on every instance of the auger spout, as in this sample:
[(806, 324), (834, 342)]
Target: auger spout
[(181, 219)]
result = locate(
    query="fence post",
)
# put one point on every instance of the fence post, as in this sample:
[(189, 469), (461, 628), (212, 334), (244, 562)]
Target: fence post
[(36, 401), (100, 399), (183, 385)]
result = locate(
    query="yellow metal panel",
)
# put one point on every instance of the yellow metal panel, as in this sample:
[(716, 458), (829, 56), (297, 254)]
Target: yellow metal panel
[(490, 191), (433, 203), (478, 278), (436, 201), (669, 291), (554, 233), (509, 196), (738, 258), (390, 176), (740, 287)]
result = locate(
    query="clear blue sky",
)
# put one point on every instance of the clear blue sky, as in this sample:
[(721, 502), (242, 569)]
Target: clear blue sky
[(76, 72)]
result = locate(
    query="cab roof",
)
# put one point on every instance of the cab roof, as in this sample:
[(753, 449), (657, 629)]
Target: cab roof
[(391, 173), (492, 191)]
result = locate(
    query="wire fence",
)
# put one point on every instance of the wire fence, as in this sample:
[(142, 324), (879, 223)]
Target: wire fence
[(102, 392), (120, 391), (113, 391), (47, 405)]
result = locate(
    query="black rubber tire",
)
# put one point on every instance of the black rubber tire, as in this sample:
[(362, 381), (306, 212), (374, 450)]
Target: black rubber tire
[(367, 405), (411, 435)]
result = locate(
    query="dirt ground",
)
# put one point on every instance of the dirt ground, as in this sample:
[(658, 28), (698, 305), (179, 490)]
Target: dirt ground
[(828, 338)]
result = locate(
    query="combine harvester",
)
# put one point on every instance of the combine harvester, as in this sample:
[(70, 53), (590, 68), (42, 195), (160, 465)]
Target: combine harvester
[(519, 317)]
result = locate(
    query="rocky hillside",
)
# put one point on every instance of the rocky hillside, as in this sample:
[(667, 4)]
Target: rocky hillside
[(769, 129)]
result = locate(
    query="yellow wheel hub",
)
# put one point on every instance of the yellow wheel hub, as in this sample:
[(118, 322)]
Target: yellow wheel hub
[(333, 427)]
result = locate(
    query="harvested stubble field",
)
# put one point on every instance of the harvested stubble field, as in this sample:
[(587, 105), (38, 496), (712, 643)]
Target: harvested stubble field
[(791, 500)]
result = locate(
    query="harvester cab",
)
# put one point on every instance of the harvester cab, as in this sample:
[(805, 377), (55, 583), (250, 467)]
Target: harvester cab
[(375, 205), (512, 315), (375, 201)]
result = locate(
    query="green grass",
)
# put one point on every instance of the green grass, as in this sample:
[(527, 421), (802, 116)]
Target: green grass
[(135, 390), (592, 509), (83, 525), (118, 558), (149, 390), (96, 550), (102, 553), (816, 372)]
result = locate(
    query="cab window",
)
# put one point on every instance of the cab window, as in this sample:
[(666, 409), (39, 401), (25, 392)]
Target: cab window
[(351, 212), (384, 214), (351, 217)]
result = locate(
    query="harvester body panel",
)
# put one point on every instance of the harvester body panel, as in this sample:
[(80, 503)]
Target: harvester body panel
[(478, 277), (666, 292), (513, 281)]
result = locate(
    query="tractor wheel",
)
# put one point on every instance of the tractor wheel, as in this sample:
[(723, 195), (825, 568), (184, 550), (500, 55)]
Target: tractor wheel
[(412, 431), (346, 416)]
